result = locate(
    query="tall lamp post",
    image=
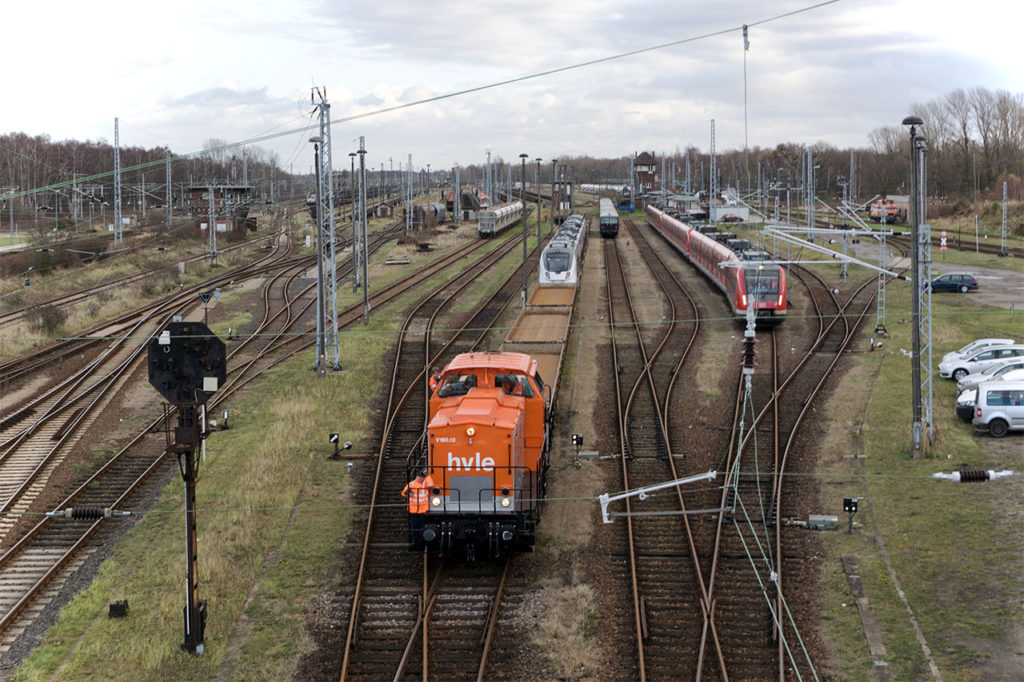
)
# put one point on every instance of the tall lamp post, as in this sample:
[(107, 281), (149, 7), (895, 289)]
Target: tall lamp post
[(352, 197), (554, 175), (915, 300), (536, 185), (321, 327), (522, 200), (364, 253)]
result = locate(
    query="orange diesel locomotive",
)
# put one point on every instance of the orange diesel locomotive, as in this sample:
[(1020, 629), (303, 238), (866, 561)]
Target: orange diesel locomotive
[(487, 451)]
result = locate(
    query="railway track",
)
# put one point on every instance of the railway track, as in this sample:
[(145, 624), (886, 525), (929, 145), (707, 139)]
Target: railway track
[(760, 565), (750, 575), (49, 551), (388, 581), (660, 565), (77, 296), (958, 244), (54, 355)]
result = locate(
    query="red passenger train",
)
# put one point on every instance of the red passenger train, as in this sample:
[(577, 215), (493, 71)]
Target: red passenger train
[(745, 279)]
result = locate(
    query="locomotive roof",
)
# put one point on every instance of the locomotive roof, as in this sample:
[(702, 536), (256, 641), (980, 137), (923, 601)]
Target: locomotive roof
[(481, 406), (501, 361)]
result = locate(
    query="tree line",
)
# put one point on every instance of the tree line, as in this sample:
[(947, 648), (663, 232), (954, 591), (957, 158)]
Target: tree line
[(975, 141), (70, 169)]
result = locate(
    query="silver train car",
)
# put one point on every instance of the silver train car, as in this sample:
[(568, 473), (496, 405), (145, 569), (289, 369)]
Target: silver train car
[(493, 221), (561, 259)]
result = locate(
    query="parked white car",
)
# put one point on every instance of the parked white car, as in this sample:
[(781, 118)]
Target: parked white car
[(974, 346), (994, 372), (961, 367)]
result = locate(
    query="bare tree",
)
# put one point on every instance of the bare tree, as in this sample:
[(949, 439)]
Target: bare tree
[(959, 108), (983, 109)]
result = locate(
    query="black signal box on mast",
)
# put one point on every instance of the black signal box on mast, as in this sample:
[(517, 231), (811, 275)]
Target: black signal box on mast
[(187, 365)]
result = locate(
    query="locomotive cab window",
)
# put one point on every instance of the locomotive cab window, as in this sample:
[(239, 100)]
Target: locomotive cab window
[(456, 384), (514, 384)]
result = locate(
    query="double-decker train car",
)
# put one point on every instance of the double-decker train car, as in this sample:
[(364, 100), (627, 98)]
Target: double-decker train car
[(754, 282), (493, 221), (561, 259), (609, 218)]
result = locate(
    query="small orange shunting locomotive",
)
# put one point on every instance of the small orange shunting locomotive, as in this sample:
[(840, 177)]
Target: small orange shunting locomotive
[(487, 452)]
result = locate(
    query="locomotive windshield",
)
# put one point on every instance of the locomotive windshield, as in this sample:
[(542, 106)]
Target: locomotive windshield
[(557, 261)]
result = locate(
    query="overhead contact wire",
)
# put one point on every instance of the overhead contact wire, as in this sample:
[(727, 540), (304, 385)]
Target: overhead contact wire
[(438, 98)]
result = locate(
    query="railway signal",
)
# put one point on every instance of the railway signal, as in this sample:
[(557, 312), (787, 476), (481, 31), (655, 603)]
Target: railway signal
[(205, 297), (850, 507), (336, 439), (577, 442), (187, 365)]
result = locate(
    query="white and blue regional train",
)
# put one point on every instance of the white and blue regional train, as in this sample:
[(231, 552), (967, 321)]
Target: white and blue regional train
[(609, 217), (493, 221), (561, 258)]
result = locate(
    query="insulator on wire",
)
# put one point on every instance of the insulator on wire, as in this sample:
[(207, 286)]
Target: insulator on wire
[(748, 354), (87, 513), (973, 475)]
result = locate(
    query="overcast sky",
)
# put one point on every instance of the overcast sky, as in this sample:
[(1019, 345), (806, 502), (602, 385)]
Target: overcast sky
[(179, 73)]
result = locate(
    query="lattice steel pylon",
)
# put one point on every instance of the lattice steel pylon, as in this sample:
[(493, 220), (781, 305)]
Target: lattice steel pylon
[(1002, 238), (118, 234), (882, 260), (327, 289), (713, 184), (409, 193)]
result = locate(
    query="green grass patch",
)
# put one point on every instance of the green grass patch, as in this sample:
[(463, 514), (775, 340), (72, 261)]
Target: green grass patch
[(273, 515), (269, 464), (948, 543)]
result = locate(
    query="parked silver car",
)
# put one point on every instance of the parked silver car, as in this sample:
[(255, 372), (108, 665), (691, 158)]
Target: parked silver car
[(999, 407), (959, 368), (965, 400), (993, 372), (975, 346)]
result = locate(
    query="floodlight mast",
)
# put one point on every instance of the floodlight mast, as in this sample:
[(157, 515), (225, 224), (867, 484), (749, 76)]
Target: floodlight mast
[(522, 201), (915, 301)]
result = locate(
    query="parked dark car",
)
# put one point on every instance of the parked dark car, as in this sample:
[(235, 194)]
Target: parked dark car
[(955, 281), (965, 404)]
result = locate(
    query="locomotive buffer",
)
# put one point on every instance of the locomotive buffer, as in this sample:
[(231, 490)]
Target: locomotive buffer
[(187, 364)]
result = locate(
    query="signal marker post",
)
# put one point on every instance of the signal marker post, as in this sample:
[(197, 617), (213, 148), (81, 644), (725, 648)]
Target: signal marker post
[(187, 364)]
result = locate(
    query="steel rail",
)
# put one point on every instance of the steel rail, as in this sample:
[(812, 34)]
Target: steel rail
[(394, 403)]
